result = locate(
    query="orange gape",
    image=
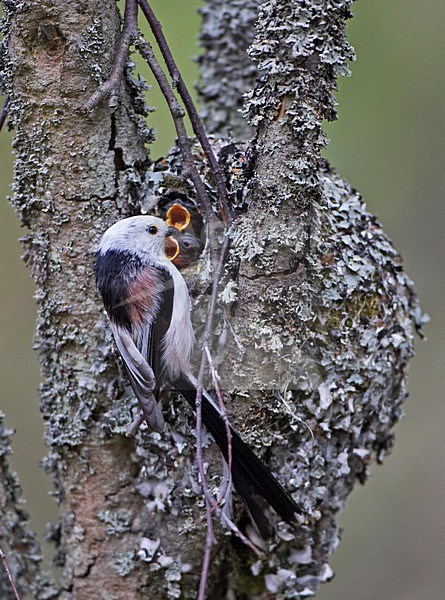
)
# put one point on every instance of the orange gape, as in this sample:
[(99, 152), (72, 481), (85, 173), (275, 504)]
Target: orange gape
[(171, 248), (178, 217)]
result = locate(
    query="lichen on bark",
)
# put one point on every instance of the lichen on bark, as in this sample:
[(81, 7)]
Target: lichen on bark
[(226, 71), (324, 317), (75, 173), (21, 548), (315, 319)]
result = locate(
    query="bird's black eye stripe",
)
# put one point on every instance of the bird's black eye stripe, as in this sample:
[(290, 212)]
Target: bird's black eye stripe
[(152, 229)]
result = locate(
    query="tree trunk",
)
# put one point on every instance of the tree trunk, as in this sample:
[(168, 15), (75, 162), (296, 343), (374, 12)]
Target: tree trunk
[(75, 174), (227, 72), (324, 317), (322, 322)]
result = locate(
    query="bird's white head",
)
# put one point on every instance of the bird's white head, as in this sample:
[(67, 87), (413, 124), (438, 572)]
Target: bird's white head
[(141, 235)]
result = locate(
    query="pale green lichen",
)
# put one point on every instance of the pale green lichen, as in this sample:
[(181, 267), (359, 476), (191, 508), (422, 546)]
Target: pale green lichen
[(125, 563), (117, 521)]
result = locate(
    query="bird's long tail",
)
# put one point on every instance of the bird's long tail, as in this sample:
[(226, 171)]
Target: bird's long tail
[(251, 477)]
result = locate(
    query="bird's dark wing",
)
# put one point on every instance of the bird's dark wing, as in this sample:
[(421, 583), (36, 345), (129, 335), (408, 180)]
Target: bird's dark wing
[(151, 306), (139, 301), (152, 317)]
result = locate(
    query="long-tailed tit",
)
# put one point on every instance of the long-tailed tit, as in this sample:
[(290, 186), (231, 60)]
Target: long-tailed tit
[(147, 301)]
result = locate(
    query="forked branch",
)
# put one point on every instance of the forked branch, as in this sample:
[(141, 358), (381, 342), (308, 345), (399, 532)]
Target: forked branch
[(177, 114)]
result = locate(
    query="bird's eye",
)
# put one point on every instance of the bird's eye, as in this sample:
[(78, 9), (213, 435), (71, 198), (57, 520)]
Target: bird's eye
[(152, 229)]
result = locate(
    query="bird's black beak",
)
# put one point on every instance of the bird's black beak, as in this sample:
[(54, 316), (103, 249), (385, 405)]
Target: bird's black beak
[(171, 231)]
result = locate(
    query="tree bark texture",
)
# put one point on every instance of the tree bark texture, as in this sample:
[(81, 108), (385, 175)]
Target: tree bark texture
[(227, 72), (324, 317), (75, 174), (315, 330)]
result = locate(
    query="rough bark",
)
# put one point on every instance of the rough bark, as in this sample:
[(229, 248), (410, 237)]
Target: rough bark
[(16, 540), (322, 313), (75, 173), (226, 71)]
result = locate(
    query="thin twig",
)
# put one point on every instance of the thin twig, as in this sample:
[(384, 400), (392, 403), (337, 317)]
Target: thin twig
[(190, 167), (204, 200), (133, 427), (177, 113), (230, 524), (199, 391), (111, 86), (184, 144), (210, 312), (190, 107), (8, 573), (210, 536), (226, 488), (221, 405), (235, 530), (4, 112)]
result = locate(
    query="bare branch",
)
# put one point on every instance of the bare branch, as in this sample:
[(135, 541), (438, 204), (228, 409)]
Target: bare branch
[(177, 114), (184, 144), (199, 392), (111, 86), (198, 127), (236, 531)]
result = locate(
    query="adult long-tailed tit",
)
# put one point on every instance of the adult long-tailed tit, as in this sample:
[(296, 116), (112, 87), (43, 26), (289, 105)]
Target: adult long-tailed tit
[(147, 302)]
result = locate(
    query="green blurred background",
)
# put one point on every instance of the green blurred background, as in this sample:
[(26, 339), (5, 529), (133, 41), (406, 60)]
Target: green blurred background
[(389, 143)]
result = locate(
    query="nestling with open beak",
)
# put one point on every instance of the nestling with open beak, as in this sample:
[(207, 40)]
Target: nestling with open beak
[(147, 302)]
